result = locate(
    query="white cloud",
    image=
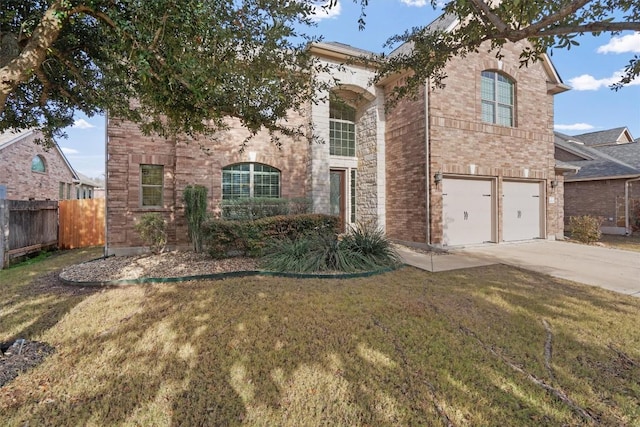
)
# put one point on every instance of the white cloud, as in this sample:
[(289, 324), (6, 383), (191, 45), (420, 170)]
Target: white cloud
[(82, 124), (67, 150), (417, 3), (323, 11), (588, 82), (624, 44), (575, 126)]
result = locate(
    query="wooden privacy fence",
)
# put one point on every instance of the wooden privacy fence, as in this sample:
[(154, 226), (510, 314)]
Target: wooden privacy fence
[(81, 223), (26, 226)]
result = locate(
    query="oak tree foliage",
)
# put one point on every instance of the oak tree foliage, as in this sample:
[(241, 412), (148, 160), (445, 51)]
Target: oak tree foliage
[(546, 25), (174, 67)]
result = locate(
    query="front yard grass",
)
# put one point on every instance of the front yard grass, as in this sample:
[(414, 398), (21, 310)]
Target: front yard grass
[(486, 346)]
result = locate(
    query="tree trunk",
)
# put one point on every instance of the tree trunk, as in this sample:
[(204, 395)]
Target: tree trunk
[(21, 68)]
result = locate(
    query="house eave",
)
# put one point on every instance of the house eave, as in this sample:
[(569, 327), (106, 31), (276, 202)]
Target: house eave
[(330, 51), (602, 178)]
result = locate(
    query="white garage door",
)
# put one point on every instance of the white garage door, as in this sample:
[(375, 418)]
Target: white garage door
[(521, 206), (467, 211)]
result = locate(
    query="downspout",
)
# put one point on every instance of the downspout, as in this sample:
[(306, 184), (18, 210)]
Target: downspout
[(427, 158), (627, 214), (106, 183)]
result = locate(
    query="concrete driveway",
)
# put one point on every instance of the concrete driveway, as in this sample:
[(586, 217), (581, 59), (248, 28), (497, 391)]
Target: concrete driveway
[(612, 269)]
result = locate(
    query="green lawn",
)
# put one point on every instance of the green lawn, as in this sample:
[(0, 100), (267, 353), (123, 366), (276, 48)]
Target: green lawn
[(485, 346)]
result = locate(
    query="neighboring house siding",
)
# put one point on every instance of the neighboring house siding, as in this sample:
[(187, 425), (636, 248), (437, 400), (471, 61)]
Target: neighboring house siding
[(600, 198), (461, 142), (24, 184), (187, 163)]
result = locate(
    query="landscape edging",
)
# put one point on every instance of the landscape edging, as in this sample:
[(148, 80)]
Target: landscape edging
[(230, 274)]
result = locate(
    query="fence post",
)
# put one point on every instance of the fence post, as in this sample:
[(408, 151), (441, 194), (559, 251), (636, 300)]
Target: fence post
[(4, 230)]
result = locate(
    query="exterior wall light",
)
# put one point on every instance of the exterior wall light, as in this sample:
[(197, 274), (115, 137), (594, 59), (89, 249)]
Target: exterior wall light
[(437, 177)]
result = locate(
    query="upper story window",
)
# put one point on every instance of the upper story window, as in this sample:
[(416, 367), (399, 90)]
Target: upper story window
[(342, 129), (151, 185), (37, 164), (498, 98), (250, 180)]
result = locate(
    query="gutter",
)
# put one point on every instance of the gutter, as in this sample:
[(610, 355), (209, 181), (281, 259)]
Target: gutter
[(627, 214)]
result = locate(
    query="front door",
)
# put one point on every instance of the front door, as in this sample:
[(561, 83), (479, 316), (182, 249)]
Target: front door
[(337, 196)]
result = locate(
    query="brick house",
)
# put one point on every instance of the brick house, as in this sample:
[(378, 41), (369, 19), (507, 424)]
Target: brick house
[(30, 172), (470, 163), (607, 179)]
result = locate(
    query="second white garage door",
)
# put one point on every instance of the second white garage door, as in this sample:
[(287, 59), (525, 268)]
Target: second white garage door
[(467, 211), (521, 208)]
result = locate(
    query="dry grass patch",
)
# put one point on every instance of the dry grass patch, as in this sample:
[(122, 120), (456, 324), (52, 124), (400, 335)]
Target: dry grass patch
[(486, 346), (628, 243)]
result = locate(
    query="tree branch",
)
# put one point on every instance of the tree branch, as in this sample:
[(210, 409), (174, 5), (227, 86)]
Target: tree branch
[(494, 19), (569, 9), (20, 69)]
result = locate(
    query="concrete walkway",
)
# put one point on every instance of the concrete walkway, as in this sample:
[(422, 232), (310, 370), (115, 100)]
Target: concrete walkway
[(612, 269)]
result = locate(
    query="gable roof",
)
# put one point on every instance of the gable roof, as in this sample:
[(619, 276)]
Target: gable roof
[(11, 137), (619, 135), (601, 162)]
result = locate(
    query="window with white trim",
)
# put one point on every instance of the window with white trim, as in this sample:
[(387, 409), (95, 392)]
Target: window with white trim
[(342, 129), (250, 180), (498, 98)]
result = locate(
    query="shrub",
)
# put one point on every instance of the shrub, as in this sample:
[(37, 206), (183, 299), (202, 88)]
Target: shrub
[(153, 231), (262, 207), (195, 209), (373, 245), (585, 228), (364, 249), (223, 238)]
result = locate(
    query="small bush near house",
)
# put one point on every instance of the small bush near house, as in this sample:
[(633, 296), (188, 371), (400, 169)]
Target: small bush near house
[(262, 207), (364, 249), (585, 228), (223, 238), (153, 231)]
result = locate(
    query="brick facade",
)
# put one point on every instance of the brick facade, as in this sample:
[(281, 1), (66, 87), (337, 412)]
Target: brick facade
[(24, 184), (187, 162), (460, 144), (600, 198)]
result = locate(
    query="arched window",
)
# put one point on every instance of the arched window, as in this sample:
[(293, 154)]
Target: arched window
[(250, 180), (342, 129), (37, 164), (498, 98)]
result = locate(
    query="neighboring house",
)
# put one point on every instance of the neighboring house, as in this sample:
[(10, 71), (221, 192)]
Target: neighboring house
[(607, 184), (88, 188), (467, 164), (30, 172)]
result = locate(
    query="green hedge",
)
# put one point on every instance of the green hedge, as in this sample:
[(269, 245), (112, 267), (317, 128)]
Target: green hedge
[(249, 238), (262, 207)]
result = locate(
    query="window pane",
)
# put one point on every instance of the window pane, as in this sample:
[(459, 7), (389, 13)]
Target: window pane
[(505, 115), (487, 87), (37, 164), (487, 112), (151, 174), (505, 92), (151, 196), (353, 196), (238, 180)]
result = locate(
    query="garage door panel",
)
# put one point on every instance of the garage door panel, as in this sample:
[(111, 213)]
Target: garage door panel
[(521, 208), (467, 211)]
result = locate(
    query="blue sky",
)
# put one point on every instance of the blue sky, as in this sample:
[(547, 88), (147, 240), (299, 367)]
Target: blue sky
[(589, 69)]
